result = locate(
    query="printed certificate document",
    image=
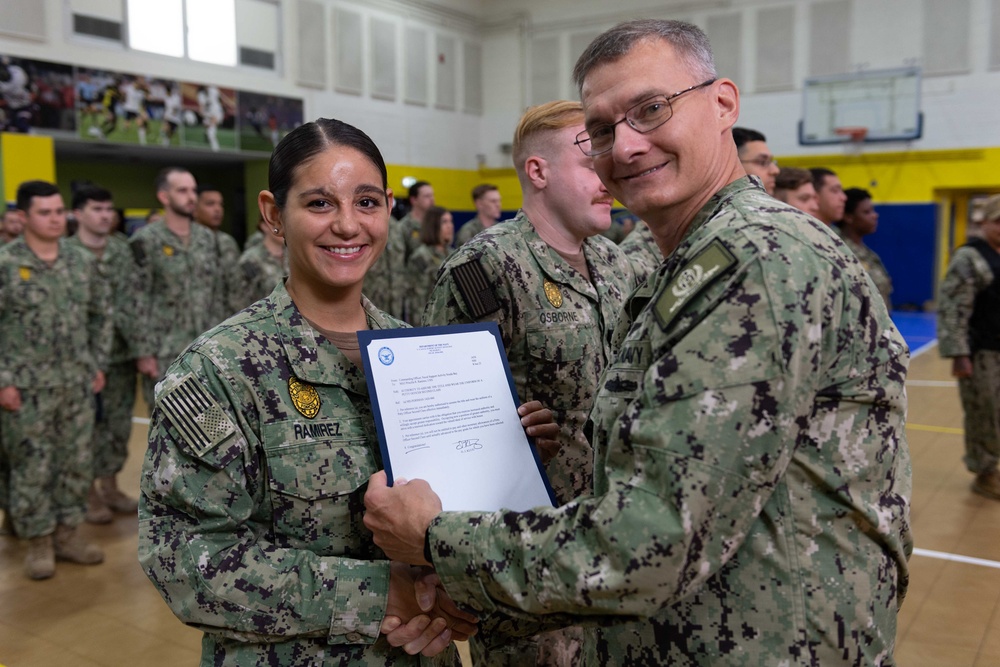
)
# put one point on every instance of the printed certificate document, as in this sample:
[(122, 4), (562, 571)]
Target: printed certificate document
[(446, 412)]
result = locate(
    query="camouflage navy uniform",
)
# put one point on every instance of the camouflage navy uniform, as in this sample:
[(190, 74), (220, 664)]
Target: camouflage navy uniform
[(227, 298), (261, 272), (752, 502), (56, 329), (422, 270), (555, 326), (469, 230), (968, 327), (385, 282), (260, 447), (176, 284), (873, 265), (113, 424), (642, 252)]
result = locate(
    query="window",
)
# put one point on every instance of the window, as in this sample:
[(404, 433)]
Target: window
[(202, 30)]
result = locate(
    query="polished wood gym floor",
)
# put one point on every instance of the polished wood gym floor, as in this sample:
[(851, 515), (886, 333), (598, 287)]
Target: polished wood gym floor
[(109, 615)]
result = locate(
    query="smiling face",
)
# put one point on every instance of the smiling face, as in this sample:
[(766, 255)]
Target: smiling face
[(669, 173), (335, 221)]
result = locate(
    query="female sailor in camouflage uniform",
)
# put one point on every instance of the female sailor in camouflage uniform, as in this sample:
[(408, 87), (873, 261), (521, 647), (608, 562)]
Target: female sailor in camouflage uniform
[(262, 441)]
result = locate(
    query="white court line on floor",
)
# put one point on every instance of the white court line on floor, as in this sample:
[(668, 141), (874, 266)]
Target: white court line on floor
[(931, 383), (141, 420), (956, 558), (923, 348)]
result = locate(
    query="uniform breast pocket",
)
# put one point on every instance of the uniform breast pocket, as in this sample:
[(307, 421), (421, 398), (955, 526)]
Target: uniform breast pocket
[(560, 362), (317, 494)]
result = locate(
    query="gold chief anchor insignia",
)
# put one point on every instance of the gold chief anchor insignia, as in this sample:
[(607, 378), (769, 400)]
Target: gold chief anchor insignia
[(552, 293), (304, 396)]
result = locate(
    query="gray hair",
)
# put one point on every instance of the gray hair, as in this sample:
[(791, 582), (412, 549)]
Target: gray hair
[(691, 44)]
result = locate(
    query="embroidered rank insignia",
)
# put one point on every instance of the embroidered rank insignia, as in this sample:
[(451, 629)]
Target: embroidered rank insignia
[(706, 267), (168, 250), (196, 416), (25, 273), (552, 293), (475, 289), (304, 397)]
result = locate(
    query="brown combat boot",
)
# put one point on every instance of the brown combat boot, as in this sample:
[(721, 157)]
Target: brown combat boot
[(987, 484), (69, 545), (40, 563), (97, 510), (7, 527), (115, 499)]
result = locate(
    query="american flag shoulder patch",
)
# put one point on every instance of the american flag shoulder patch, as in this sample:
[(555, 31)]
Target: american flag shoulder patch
[(475, 289), (197, 417)]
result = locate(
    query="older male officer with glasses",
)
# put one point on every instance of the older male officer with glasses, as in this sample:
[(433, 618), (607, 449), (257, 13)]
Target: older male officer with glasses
[(751, 492)]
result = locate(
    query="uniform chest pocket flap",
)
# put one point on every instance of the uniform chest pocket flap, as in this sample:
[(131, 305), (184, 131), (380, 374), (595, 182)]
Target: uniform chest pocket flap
[(318, 471), (556, 344)]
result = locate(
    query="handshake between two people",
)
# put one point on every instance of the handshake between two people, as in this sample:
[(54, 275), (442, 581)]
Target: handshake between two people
[(420, 617)]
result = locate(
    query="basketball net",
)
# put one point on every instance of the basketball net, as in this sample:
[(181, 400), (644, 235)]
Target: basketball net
[(855, 138)]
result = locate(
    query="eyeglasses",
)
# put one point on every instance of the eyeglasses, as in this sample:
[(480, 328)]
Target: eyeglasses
[(762, 161), (644, 117)]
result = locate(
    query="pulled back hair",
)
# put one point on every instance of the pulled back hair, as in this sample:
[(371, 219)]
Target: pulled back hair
[(854, 197), (30, 189), (310, 139), (690, 42), (430, 228)]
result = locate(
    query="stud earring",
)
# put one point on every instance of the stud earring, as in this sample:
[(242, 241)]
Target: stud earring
[(275, 230)]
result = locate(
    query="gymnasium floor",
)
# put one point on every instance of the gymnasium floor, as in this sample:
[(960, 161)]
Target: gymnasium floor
[(109, 615)]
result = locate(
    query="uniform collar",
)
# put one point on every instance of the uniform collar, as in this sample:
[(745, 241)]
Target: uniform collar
[(553, 265), (312, 357)]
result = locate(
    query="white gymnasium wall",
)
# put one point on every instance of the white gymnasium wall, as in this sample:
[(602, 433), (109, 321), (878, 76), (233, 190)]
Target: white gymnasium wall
[(453, 116)]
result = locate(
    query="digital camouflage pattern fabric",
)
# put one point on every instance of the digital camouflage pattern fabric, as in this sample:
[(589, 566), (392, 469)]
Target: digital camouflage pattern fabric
[(553, 323), (965, 329), (260, 448), (227, 297), (422, 270), (873, 265), (116, 402), (752, 497), (176, 284), (642, 252), (385, 282), (469, 230), (56, 330), (261, 271), (55, 319)]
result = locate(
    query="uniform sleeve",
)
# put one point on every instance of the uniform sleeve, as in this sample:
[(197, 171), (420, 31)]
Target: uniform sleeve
[(471, 289), (957, 296), (7, 352), (143, 341), (693, 459), (100, 322), (205, 534), (232, 275)]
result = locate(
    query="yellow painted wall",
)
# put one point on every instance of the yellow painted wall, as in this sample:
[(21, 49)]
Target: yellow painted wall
[(910, 176), (25, 157), (453, 187)]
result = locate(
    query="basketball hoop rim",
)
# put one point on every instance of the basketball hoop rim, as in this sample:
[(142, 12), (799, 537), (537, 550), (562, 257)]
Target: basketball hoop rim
[(854, 133)]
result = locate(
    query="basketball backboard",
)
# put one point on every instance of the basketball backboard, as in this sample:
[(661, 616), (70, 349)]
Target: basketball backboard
[(885, 102)]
